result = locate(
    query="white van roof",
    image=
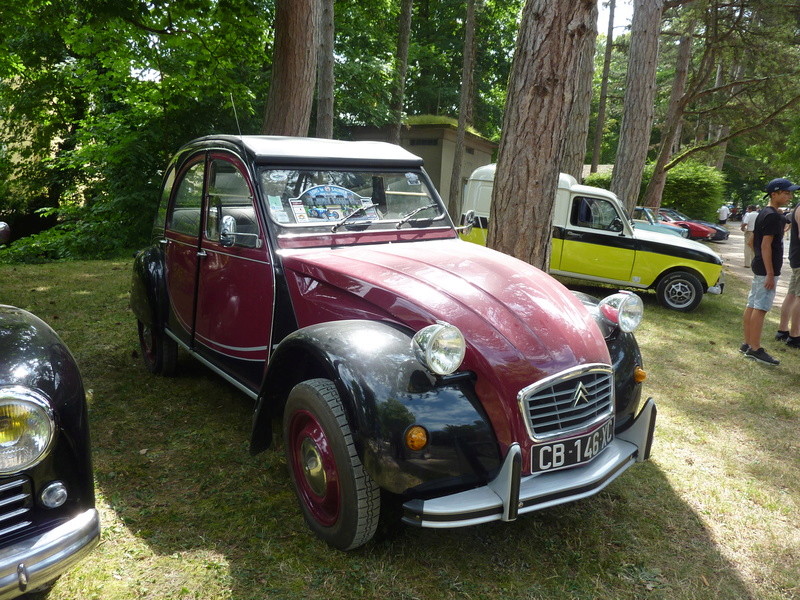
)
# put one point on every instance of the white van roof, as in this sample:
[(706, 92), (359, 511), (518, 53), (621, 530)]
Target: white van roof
[(487, 172)]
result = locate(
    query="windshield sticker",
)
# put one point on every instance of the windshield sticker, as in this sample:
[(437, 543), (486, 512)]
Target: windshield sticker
[(298, 210), (412, 179), (327, 203)]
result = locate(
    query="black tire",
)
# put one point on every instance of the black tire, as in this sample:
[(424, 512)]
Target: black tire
[(681, 291), (159, 351), (340, 501)]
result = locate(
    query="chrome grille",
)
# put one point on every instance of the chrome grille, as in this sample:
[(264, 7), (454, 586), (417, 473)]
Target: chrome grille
[(569, 402), (15, 505)]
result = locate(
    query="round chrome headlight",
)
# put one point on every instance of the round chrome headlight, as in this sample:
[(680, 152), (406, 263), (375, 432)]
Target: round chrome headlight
[(27, 428), (440, 347), (623, 309)]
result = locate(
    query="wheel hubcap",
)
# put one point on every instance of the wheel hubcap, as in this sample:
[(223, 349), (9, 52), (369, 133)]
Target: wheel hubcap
[(680, 293), (311, 462)]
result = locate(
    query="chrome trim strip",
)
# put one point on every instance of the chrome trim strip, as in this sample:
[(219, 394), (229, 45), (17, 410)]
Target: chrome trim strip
[(237, 384)]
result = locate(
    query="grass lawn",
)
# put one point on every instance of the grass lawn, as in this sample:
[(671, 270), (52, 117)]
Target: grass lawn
[(188, 513)]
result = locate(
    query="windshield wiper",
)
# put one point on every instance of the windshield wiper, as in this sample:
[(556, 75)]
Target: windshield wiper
[(408, 216), (360, 210)]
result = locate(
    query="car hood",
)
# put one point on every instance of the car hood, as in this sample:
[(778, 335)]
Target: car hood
[(519, 323), (673, 240)]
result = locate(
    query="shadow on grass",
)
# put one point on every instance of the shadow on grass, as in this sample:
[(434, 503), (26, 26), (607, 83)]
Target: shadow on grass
[(172, 462)]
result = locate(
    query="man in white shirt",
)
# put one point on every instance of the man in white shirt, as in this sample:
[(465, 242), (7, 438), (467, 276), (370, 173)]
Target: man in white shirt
[(723, 213), (748, 223)]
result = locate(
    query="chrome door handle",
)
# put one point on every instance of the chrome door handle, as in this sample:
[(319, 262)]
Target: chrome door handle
[(202, 253)]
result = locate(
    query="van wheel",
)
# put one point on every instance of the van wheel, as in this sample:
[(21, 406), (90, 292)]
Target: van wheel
[(159, 351), (679, 291), (340, 501)]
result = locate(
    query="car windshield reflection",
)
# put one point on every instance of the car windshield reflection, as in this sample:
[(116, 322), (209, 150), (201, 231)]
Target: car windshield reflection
[(347, 199)]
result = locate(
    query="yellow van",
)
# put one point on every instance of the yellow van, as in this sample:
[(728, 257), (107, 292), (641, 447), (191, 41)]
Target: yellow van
[(594, 239)]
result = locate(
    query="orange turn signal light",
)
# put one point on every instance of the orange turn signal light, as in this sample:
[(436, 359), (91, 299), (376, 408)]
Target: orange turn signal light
[(416, 437), (639, 375)]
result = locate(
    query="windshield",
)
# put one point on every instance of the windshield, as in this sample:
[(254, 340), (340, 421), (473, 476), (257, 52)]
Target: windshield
[(353, 199)]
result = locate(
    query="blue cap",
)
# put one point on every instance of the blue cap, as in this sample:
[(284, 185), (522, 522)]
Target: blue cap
[(779, 184)]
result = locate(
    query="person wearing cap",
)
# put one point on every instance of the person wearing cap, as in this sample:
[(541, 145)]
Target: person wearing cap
[(790, 309), (767, 262)]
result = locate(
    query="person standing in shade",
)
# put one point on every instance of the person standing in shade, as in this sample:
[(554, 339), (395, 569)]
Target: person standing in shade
[(790, 309), (768, 249), (748, 223), (723, 213)]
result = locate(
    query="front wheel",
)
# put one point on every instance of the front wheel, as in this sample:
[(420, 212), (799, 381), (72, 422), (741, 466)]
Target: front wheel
[(680, 291), (159, 352), (340, 501)]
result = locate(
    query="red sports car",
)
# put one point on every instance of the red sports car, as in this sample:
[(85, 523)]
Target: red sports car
[(697, 231)]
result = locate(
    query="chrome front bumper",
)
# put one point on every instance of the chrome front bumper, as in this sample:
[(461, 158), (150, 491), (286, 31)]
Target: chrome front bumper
[(509, 494), (36, 561)]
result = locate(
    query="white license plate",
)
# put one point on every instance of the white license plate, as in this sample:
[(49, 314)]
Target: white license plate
[(571, 452)]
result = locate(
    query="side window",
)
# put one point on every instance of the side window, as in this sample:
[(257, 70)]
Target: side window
[(185, 217), (595, 213), (163, 205), (231, 217)]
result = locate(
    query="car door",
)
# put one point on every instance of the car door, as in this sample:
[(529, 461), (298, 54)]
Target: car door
[(596, 243), (235, 289), (181, 239)]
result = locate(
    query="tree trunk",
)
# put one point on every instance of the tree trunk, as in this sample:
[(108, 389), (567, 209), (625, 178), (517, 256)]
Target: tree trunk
[(464, 111), (325, 80), (401, 68), (294, 64), (601, 108), (677, 103), (541, 91), (578, 123), (637, 114)]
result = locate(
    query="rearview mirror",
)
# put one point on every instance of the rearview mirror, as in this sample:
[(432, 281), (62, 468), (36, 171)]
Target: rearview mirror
[(467, 222), (227, 235)]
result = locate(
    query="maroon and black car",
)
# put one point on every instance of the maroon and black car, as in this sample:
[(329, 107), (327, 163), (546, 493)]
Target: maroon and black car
[(326, 281), (48, 520)]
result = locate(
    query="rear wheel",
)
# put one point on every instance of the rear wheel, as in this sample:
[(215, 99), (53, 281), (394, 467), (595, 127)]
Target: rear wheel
[(680, 291), (159, 352), (340, 501)]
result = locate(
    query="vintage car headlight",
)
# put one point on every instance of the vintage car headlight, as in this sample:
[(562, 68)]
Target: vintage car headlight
[(440, 347), (624, 309), (27, 428)]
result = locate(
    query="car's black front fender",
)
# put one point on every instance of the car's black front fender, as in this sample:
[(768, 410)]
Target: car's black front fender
[(385, 390), (148, 299)]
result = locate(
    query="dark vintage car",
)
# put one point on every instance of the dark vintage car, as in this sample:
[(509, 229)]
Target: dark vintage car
[(48, 520), (408, 367)]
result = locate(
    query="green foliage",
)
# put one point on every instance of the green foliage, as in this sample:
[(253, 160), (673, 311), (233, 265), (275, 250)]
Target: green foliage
[(98, 95), (695, 189), (692, 188)]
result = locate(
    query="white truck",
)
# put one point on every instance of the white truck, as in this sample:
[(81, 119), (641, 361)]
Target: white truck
[(594, 239)]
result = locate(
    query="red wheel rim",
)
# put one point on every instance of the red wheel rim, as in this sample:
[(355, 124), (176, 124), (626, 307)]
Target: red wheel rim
[(148, 343), (314, 468)]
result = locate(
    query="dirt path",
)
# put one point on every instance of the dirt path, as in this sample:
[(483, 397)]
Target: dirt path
[(732, 252)]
